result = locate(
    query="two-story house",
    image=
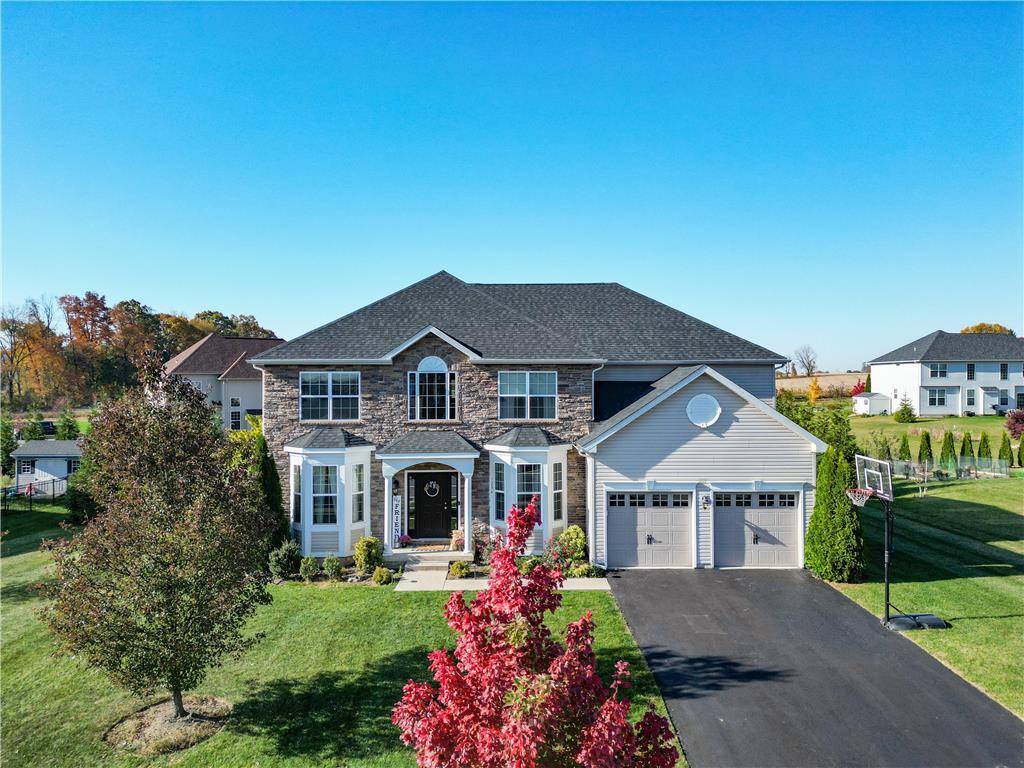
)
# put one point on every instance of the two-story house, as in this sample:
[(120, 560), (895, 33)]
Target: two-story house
[(217, 366), (448, 402), (956, 374)]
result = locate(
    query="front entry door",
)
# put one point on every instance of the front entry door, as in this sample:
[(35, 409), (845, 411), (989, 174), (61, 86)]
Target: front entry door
[(434, 498)]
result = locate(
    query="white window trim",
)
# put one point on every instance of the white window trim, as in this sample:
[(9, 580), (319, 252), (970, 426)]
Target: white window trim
[(497, 509), (451, 395), (970, 398), (936, 393), (1004, 371), (972, 371), (512, 458), (31, 464), (313, 495), (527, 417), (938, 371), (1004, 397), (358, 491), (232, 420), (558, 492), (330, 398)]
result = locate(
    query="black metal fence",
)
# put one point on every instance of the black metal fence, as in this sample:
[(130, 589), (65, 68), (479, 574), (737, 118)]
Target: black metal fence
[(24, 495)]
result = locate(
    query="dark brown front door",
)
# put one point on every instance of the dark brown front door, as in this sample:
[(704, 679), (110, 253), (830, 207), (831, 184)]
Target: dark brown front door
[(433, 496)]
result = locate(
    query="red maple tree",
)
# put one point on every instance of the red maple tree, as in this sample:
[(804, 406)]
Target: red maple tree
[(513, 695)]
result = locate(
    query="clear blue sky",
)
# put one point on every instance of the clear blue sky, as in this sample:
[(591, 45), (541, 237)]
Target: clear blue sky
[(846, 176)]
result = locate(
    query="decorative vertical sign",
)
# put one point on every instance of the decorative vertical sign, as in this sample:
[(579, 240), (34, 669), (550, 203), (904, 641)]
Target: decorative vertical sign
[(396, 519)]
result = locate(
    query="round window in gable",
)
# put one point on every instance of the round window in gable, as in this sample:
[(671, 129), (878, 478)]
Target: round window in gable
[(703, 410)]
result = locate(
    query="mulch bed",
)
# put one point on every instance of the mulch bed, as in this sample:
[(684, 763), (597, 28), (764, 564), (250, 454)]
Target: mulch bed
[(155, 730)]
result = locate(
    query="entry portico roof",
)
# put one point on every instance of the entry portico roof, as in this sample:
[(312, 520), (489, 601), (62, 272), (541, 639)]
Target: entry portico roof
[(425, 442)]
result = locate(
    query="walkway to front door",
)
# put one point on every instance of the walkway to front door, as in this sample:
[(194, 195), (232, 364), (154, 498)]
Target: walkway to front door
[(433, 499)]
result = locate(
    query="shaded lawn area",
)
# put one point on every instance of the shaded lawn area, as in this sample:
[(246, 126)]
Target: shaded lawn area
[(318, 690), (959, 553)]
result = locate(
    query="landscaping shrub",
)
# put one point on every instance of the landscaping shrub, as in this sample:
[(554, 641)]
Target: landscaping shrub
[(527, 564), (905, 413), (332, 568), (369, 554), (881, 445), (1015, 423), (903, 454), (1005, 451), (513, 694), (858, 388), (381, 575), (252, 453), (285, 560), (33, 429), (924, 451), (458, 569), (80, 503), (565, 549), (67, 426), (947, 454), (984, 451), (585, 571), (483, 542), (813, 391), (309, 568), (1020, 454), (967, 450), (834, 544)]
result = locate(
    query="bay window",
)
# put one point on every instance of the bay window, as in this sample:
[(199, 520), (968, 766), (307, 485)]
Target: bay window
[(325, 495), (527, 394), (358, 493), (498, 489), (329, 395), (557, 491), (297, 493), (432, 390)]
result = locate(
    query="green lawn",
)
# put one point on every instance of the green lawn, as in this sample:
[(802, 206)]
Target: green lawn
[(318, 690), (995, 426), (959, 554)]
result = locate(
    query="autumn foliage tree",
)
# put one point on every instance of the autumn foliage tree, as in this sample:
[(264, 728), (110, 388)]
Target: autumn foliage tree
[(987, 328), (159, 586), (512, 694)]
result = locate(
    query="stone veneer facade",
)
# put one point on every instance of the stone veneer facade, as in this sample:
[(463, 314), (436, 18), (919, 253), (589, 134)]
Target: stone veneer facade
[(384, 416)]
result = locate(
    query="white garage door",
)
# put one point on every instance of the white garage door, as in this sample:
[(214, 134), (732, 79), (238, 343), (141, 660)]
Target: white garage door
[(649, 530), (760, 530)]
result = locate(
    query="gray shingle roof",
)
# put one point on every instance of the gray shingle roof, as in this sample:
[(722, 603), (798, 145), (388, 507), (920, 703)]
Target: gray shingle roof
[(872, 395), (670, 379), (215, 354), (526, 437), (47, 448), (571, 321), (330, 438), (428, 441), (945, 347)]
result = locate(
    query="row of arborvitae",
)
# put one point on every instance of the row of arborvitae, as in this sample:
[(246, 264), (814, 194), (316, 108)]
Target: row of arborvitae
[(948, 451)]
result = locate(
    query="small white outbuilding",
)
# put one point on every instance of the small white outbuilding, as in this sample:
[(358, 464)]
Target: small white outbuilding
[(871, 404)]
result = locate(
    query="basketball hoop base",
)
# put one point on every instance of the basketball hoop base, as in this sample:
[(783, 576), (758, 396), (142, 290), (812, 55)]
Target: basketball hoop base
[(907, 622)]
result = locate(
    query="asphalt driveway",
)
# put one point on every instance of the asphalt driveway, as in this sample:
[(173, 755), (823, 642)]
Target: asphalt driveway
[(773, 668)]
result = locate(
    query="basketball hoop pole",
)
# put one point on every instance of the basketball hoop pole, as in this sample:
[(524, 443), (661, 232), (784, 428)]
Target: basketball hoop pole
[(889, 521)]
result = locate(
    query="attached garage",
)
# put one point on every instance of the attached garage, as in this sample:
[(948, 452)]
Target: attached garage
[(650, 530), (699, 473)]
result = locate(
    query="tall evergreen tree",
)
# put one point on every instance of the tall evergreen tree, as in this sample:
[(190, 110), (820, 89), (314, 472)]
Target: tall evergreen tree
[(984, 451), (947, 454), (7, 444), (924, 452), (904, 450), (834, 545), (967, 450), (33, 429), (67, 426), (1020, 454), (867, 382), (1005, 450)]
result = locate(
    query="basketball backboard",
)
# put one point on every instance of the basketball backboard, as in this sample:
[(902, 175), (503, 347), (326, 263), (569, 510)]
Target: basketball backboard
[(875, 475)]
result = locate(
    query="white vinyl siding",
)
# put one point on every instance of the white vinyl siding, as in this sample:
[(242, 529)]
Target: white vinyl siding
[(745, 445)]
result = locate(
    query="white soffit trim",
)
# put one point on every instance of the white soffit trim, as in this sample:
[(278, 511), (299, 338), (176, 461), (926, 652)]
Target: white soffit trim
[(429, 456), (818, 445)]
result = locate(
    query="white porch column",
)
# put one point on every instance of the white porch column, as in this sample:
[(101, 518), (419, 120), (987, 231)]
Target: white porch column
[(388, 496), (592, 505), (467, 504)]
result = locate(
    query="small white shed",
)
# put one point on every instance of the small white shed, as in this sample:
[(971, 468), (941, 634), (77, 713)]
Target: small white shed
[(40, 461), (871, 404)]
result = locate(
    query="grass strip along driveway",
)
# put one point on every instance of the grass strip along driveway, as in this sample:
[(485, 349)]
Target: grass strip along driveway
[(318, 690), (959, 553)]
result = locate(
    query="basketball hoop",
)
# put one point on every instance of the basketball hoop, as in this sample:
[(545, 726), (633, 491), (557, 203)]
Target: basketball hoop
[(860, 496)]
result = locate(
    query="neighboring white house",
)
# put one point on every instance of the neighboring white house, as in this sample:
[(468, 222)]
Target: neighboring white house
[(39, 461), (217, 366), (870, 404), (955, 374)]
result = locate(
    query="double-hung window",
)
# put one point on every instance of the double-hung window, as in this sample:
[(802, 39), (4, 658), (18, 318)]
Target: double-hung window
[(296, 494), (329, 395), (936, 397), (557, 491), (527, 394), (73, 465), (358, 493), (970, 371), (1004, 371), (937, 370), (498, 488), (236, 420), (1004, 397), (970, 397), (432, 391), (325, 495), (528, 484)]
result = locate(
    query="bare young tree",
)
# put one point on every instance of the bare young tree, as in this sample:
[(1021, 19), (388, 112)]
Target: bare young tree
[(807, 359)]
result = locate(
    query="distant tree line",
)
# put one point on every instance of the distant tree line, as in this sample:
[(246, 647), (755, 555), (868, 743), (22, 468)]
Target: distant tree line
[(77, 349)]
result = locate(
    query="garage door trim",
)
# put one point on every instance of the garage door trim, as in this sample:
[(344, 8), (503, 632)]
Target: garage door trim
[(797, 488)]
